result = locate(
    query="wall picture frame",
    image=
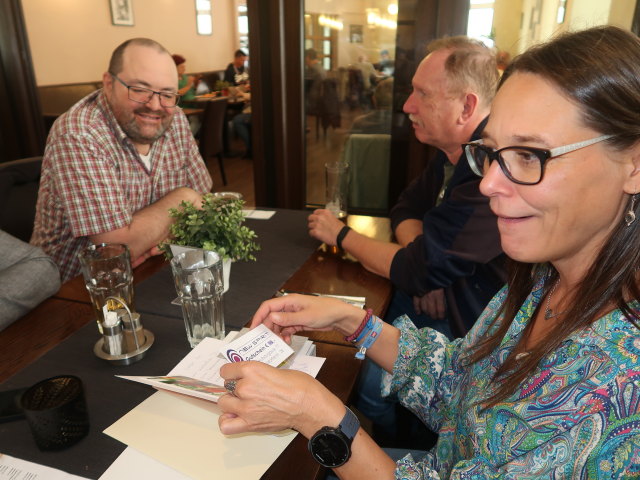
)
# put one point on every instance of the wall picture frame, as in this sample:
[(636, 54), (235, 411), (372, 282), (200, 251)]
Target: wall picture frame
[(355, 34), (122, 12)]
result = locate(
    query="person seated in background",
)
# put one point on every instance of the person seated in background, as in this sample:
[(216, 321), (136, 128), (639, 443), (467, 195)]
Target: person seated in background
[(314, 74), (368, 74), (117, 161), (27, 277), (378, 120), (447, 263), (545, 385), (237, 73), (186, 83), (242, 121), (385, 63)]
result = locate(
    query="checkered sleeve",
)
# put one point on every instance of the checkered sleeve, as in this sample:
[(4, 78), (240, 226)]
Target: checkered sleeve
[(198, 177), (87, 178)]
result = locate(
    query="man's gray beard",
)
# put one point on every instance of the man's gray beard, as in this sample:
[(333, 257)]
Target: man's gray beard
[(131, 129)]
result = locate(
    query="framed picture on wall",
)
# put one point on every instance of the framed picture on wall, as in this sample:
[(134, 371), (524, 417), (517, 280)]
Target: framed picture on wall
[(355, 34), (122, 12)]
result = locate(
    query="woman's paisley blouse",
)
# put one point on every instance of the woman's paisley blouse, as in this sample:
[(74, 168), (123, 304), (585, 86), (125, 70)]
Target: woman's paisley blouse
[(577, 417)]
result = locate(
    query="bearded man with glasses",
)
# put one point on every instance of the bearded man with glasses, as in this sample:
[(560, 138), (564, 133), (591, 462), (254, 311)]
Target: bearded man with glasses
[(118, 160)]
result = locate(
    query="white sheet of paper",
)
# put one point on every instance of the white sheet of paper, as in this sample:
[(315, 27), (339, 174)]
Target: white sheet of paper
[(203, 362), (131, 464), (182, 432), (258, 214), (12, 468), (259, 344)]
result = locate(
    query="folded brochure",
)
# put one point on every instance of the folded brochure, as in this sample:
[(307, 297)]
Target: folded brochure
[(197, 375)]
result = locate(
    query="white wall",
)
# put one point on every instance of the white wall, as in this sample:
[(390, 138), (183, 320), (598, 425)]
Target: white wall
[(71, 40)]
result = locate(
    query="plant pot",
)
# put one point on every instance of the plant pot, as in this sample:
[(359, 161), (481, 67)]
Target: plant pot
[(226, 272)]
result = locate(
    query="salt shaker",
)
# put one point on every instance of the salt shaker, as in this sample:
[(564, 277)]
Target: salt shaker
[(112, 334)]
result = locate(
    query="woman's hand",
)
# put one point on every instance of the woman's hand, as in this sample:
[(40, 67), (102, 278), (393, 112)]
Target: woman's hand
[(324, 226), (290, 314), (267, 399)]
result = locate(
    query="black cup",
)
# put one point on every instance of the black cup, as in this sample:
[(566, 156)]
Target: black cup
[(57, 412)]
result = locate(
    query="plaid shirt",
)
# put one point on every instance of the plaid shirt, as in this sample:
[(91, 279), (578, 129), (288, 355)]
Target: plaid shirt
[(93, 179)]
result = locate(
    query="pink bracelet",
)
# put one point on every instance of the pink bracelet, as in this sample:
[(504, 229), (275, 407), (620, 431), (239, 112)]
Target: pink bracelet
[(352, 338)]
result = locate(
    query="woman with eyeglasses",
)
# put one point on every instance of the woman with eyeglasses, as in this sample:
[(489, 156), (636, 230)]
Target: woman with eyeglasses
[(547, 384)]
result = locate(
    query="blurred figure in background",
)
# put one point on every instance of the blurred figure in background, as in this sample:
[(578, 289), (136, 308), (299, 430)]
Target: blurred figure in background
[(378, 120), (237, 73), (186, 83)]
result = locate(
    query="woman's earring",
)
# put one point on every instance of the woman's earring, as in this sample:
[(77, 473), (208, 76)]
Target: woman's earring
[(630, 216)]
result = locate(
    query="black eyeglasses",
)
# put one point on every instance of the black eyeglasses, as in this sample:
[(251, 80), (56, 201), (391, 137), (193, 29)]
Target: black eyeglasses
[(144, 95), (521, 165)]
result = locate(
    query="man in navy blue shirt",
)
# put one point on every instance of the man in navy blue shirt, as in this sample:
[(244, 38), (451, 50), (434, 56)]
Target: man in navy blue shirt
[(447, 262)]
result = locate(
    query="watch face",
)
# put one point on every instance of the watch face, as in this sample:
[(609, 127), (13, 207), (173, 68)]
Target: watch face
[(330, 448)]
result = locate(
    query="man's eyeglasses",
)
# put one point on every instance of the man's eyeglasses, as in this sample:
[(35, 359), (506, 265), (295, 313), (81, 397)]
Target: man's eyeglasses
[(144, 95), (521, 165)]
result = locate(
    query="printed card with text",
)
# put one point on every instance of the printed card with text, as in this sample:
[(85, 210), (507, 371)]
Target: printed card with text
[(259, 344)]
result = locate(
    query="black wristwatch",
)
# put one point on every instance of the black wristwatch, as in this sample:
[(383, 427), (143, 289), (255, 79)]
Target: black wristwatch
[(331, 447)]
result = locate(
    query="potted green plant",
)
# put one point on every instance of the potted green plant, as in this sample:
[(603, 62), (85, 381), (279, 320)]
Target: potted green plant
[(217, 225), (222, 87)]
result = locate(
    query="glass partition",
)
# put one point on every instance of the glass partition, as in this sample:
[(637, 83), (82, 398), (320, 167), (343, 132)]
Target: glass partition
[(348, 92)]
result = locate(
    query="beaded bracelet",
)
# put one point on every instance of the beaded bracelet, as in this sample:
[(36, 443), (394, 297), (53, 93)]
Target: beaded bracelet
[(373, 335), (353, 338)]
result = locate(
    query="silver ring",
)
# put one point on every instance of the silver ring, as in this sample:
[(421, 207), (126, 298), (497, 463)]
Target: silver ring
[(230, 385)]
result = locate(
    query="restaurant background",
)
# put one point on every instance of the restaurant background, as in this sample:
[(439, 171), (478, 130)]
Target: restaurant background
[(44, 43), (71, 41)]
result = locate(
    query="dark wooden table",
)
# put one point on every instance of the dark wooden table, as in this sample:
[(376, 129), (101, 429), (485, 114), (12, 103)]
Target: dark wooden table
[(323, 272)]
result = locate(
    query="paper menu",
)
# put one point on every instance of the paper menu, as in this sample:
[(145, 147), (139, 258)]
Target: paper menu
[(12, 468), (197, 374), (182, 432), (182, 385)]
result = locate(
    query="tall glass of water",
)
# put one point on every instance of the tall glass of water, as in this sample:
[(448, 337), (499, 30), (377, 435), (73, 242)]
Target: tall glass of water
[(198, 278), (108, 276), (337, 182)]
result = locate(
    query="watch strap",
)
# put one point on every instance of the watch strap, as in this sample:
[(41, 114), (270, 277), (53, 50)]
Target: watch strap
[(341, 234), (349, 424)]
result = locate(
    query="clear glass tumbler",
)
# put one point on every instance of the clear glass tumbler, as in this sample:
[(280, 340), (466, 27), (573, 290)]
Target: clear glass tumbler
[(197, 275), (107, 273), (337, 181)]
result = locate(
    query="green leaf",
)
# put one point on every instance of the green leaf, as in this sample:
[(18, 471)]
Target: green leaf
[(217, 226)]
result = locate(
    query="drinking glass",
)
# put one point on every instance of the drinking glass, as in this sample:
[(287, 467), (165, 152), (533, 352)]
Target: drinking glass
[(106, 269), (337, 181), (198, 278)]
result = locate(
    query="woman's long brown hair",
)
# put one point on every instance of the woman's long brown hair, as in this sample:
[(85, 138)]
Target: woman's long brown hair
[(599, 71)]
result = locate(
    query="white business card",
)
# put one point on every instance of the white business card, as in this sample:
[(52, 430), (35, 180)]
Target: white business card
[(259, 344)]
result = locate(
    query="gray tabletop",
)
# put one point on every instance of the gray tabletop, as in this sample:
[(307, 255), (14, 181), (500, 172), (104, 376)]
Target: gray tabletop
[(285, 245), (108, 397)]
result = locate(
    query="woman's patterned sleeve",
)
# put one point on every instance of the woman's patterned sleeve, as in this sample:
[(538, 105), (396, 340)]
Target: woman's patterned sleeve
[(426, 358)]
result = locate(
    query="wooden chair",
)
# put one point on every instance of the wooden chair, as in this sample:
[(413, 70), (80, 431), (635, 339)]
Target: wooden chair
[(211, 132), (19, 183)]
